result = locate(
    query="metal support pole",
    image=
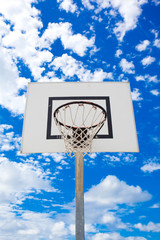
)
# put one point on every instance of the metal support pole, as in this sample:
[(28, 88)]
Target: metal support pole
[(79, 175)]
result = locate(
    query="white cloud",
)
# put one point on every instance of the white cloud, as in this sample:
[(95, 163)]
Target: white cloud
[(150, 79), (155, 32), (140, 78), (19, 179), (4, 28), (114, 236), (90, 228), (147, 78), (112, 158), (143, 46), (157, 2), (23, 39), (93, 155), (155, 92), (120, 158), (128, 157), (5, 127), (57, 157), (20, 41), (102, 4), (105, 198), (150, 167), (111, 192), (10, 84), (76, 42), (156, 205), (107, 236), (58, 229), (99, 19), (127, 67), (118, 53), (21, 13), (24, 47), (136, 95), (87, 4), (8, 140), (112, 221), (135, 238), (71, 67), (147, 60), (150, 227), (130, 11), (157, 43), (31, 225), (68, 5), (108, 218)]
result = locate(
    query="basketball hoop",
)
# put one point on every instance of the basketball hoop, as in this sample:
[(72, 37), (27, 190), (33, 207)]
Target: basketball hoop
[(79, 122)]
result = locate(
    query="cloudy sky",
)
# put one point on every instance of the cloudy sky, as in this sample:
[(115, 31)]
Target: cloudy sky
[(87, 41)]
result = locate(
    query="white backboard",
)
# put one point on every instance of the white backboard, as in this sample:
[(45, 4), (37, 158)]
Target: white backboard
[(41, 135)]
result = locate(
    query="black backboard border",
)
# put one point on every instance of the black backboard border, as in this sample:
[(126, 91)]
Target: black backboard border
[(98, 136)]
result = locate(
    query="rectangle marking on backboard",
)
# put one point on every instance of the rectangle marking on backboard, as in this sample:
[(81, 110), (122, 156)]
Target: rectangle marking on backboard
[(107, 134)]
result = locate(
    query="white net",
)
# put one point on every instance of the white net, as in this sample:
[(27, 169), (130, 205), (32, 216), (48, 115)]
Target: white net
[(78, 123)]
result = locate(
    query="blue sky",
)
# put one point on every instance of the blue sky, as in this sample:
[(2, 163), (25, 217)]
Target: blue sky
[(85, 40)]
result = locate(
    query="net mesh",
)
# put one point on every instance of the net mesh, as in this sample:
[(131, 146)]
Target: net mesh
[(78, 123)]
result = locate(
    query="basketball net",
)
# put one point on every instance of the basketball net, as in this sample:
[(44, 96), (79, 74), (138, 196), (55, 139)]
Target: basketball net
[(78, 123)]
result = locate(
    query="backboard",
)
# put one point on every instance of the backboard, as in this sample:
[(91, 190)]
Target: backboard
[(40, 133)]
